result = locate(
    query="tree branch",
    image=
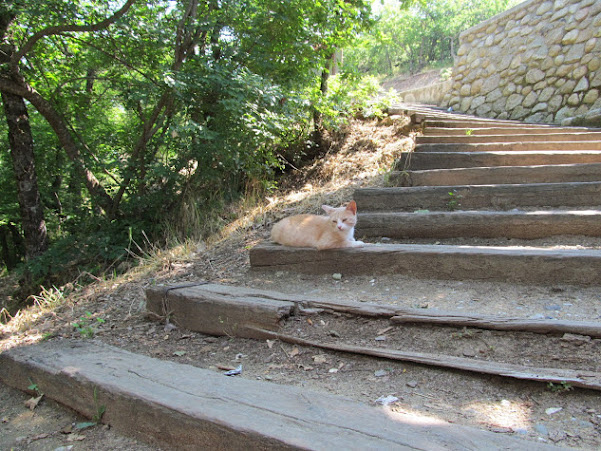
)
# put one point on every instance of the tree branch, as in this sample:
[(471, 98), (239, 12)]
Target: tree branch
[(60, 29), (63, 134)]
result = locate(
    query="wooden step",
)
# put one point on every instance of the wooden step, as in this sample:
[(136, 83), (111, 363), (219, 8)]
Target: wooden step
[(498, 175), (496, 131), (481, 224), (509, 146), (471, 197), (469, 123), (513, 137), (178, 406), (519, 265), (445, 160)]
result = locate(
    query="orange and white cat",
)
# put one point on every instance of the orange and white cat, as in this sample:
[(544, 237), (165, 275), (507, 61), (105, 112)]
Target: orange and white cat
[(333, 231)]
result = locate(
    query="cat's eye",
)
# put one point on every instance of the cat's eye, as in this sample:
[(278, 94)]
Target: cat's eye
[(343, 219)]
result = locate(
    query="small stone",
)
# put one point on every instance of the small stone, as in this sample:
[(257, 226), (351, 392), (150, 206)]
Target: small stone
[(320, 358), (552, 307), (541, 429), (337, 276), (380, 338), (387, 400), (557, 436), (412, 384), (380, 373), (576, 339), (552, 410)]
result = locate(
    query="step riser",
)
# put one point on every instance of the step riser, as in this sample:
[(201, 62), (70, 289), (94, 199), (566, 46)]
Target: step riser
[(436, 262), (498, 175), (435, 160), (181, 407), (476, 226), (510, 147), (509, 138), (496, 197), (435, 132), (470, 124)]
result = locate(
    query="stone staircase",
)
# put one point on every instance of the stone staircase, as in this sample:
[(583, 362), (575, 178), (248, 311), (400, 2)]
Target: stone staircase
[(460, 205)]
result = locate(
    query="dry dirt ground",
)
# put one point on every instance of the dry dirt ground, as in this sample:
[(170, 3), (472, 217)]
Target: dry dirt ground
[(566, 416)]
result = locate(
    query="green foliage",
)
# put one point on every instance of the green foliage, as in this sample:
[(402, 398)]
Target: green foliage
[(172, 110), (351, 95), (85, 325), (561, 387), (422, 34)]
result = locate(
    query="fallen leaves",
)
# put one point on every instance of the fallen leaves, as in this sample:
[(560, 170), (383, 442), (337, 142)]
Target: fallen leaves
[(32, 403)]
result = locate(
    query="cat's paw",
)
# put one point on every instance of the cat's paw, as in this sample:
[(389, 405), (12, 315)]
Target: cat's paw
[(357, 244)]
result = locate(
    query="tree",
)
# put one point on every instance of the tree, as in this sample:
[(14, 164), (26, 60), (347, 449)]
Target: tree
[(410, 36), (142, 110), (21, 145)]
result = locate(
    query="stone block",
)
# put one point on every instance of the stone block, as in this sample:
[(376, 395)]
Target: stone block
[(574, 99), (534, 76), (594, 64), (513, 101), (591, 97), (575, 53), (582, 85), (530, 100)]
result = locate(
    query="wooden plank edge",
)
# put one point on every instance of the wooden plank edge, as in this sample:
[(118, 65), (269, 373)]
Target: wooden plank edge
[(577, 378), (184, 407), (396, 315)]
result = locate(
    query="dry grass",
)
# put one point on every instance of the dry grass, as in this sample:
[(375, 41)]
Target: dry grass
[(362, 158), (359, 158)]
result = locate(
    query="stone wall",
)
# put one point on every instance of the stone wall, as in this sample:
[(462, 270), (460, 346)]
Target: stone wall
[(539, 62)]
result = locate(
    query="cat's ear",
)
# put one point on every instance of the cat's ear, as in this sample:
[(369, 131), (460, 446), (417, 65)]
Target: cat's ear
[(327, 209), (352, 207)]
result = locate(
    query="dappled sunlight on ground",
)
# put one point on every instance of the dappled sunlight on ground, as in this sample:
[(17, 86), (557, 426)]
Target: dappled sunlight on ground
[(514, 414)]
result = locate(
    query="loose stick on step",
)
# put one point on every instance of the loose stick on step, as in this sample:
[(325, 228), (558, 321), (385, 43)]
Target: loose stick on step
[(576, 378), (541, 326)]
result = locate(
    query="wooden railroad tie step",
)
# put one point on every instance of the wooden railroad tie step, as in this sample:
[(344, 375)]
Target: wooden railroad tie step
[(512, 138), (183, 407), (480, 224), (205, 300), (519, 265), (446, 160), (550, 173), (473, 197)]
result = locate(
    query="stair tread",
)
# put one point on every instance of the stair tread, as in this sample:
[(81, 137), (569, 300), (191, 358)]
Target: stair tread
[(453, 262)]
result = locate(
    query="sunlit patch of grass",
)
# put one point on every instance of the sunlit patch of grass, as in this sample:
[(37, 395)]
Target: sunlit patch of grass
[(367, 154)]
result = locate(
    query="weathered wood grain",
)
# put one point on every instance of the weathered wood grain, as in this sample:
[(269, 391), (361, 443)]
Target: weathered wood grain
[(440, 160), (577, 378), (528, 265), (482, 224), (183, 407), (541, 326), (492, 146), (366, 309), (516, 136), (195, 307), (550, 173), (470, 197)]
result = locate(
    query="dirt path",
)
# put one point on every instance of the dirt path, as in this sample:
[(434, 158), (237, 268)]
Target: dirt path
[(114, 313)]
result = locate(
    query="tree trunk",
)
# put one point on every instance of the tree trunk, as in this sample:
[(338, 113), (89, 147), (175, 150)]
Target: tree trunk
[(318, 129), (21, 150)]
